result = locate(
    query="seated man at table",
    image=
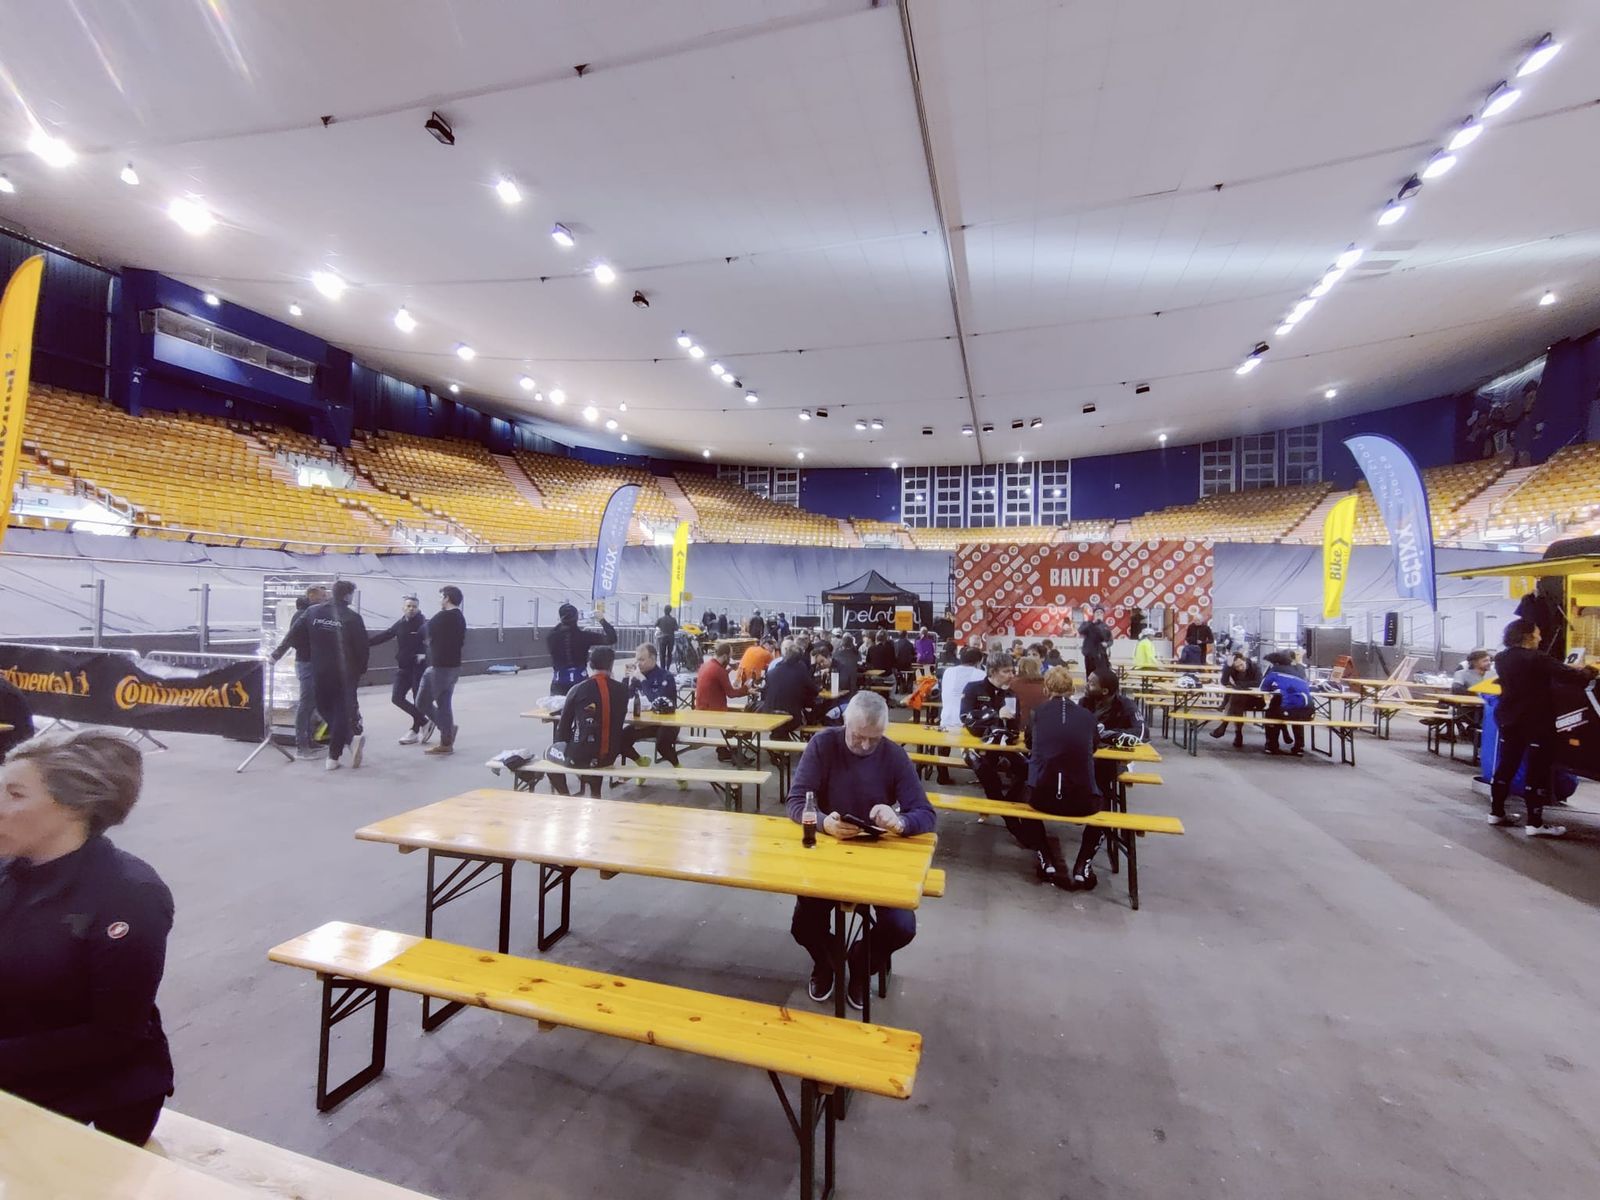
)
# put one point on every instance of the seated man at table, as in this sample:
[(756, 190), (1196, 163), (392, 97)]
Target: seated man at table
[(712, 687), (791, 689), (1239, 674), (589, 732), (989, 711), (657, 691), (754, 661), (857, 771), (880, 651)]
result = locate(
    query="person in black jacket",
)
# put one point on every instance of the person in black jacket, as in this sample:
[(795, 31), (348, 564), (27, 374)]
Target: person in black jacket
[(334, 638), (988, 711), (905, 652), (410, 635), (1062, 737), (758, 627), (1097, 638), (569, 648), (15, 712), (589, 731), (83, 938), (1113, 713), (1240, 673), (880, 652), (1526, 720), (447, 636), (722, 625), (666, 636), (790, 688), (305, 714)]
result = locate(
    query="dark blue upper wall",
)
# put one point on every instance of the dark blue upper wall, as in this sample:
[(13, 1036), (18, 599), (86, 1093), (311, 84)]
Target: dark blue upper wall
[(852, 492), (69, 332), (1111, 486), (1427, 429)]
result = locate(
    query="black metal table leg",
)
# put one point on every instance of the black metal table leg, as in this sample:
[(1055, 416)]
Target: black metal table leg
[(550, 878), (352, 996), (468, 875), (1133, 868)]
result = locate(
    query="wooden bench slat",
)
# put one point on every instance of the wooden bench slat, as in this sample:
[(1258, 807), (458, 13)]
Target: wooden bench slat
[(1136, 822), (933, 885), (627, 769), (825, 1049), (1259, 719), (1138, 777)]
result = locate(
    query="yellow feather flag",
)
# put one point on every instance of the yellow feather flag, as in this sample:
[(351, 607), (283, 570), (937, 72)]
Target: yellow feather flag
[(680, 562), (17, 310), (1338, 532)]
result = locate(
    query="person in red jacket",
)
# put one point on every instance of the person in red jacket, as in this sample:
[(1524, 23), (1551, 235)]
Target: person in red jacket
[(712, 687)]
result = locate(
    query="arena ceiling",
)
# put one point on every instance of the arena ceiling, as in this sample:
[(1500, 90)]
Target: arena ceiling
[(941, 215)]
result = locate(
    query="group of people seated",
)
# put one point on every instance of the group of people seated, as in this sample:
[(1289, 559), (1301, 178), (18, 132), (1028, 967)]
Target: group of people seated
[(1281, 676)]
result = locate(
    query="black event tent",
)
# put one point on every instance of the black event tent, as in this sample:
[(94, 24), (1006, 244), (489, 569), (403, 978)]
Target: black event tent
[(869, 602)]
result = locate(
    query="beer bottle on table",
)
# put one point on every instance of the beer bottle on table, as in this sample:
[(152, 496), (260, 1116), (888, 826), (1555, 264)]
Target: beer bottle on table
[(808, 821)]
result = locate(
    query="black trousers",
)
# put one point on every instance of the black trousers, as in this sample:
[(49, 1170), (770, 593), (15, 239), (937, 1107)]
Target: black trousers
[(664, 652), (407, 679), (132, 1123), (1005, 777), (336, 703), (811, 926), (1537, 785), (1285, 732), (666, 741)]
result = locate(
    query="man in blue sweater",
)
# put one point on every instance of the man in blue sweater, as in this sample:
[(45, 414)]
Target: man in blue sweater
[(855, 770), (657, 692)]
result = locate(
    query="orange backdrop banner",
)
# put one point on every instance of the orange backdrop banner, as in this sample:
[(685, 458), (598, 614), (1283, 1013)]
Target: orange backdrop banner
[(1040, 590)]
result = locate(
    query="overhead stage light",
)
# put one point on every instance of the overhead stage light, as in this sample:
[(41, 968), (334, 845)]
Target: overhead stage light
[(295, 310), (1283, 330), (508, 191), (685, 340), (1501, 98), (876, 423), (1546, 300), (611, 423), (624, 437), (1544, 50), (800, 454), (591, 414), (705, 454), (557, 397), (966, 431), (751, 398), (716, 369), (894, 466), (1465, 135), (604, 273), (1330, 393), (696, 352), (6, 186), (1325, 284), (1256, 355), (190, 215), (623, 407), (805, 414), (51, 149), (129, 176), (562, 236), (404, 321), (1438, 165), (861, 426), (1162, 438), (1036, 423), (211, 299), (1299, 311), (526, 383), (465, 352), (1391, 213), (329, 284), (1349, 258)]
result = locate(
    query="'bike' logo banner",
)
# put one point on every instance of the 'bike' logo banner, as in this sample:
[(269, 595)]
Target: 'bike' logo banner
[(613, 537), (1338, 536), (1403, 503), (680, 562), (105, 687)]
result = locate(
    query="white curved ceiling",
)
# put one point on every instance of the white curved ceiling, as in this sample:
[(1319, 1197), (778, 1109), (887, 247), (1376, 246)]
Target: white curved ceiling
[(1135, 193)]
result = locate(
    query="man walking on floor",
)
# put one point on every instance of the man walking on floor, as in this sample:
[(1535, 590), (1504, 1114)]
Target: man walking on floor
[(410, 634), (334, 638), (305, 713), (447, 634)]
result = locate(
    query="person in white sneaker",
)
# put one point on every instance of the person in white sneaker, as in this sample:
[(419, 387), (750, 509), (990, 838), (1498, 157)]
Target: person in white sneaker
[(1526, 721)]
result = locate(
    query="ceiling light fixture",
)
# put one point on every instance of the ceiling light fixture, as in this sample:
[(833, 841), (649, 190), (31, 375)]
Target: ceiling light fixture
[(1330, 393), (1546, 300), (716, 369), (557, 397), (1349, 258), (696, 352), (894, 466), (876, 423), (329, 284), (805, 414), (508, 191), (1391, 213), (1325, 284), (1162, 438), (465, 352), (685, 341), (611, 423), (526, 383), (455, 389), (624, 437), (800, 454), (623, 407), (404, 321), (604, 273), (927, 431), (190, 215), (1464, 136), (751, 398), (1019, 458), (861, 426), (1036, 423), (562, 236), (1283, 330), (705, 454), (1438, 165), (52, 150), (295, 310), (822, 414), (211, 299), (1299, 311), (440, 129), (966, 431), (987, 427), (731, 380), (591, 414), (1544, 50), (1501, 98), (129, 176), (1256, 355), (6, 186)]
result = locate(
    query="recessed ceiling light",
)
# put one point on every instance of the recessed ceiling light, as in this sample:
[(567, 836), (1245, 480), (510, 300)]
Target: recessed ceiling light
[(604, 273), (1439, 164), (611, 423), (685, 340), (1349, 258), (1020, 458), (1325, 284), (1330, 393), (966, 431), (1391, 213), (508, 191), (190, 215), (6, 186), (211, 299), (1248, 365), (1036, 423), (404, 321), (731, 379), (1501, 98), (696, 352), (623, 407), (526, 383), (295, 310), (591, 414), (562, 236), (861, 425), (716, 369), (1283, 330), (1299, 311), (329, 284), (894, 466), (455, 389), (1162, 439), (805, 414), (624, 437), (1544, 50), (751, 398), (1464, 136), (51, 149), (538, 397), (557, 397), (129, 176), (1547, 299), (876, 423), (705, 454), (800, 454), (465, 352)]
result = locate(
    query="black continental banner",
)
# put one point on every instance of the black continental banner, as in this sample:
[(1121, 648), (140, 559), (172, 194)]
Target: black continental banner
[(103, 687)]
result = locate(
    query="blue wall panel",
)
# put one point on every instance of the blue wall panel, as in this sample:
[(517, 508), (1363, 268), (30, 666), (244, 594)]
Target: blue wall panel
[(852, 492), (1112, 486)]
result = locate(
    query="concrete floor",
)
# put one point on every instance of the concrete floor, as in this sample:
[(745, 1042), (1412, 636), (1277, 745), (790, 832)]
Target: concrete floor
[(1342, 983)]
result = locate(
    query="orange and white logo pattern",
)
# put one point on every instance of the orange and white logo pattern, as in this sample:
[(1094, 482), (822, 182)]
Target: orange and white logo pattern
[(1040, 590)]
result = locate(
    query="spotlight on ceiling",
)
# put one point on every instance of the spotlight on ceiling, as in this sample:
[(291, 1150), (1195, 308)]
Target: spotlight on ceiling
[(1544, 50), (1038, 422), (987, 427), (751, 398), (465, 352), (526, 383), (557, 397), (611, 423), (696, 352), (685, 341), (894, 466), (876, 423), (508, 191), (1089, 408), (623, 407), (822, 414), (440, 129), (562, 236), (1021, 458), (591, 414), (211, 299), (1299, 312), (1330, 393), (861, 426), (52, 150), (800, 454), (1438, 165), (6, 186), (604, 273), (129, 176), (404, 321), (1546, 300), (1391, 213), (1283, 330), (1465, 135), (329, 284), (455, 389), (1016, 423), (1349, 258), (624, 437), (1325, 284), (640, 300), (1409, 188), (1254, 361), (190, 215), (295, 310), (705, 454), (1162, 438), (805, 414), (966, 431), (1501, 98)]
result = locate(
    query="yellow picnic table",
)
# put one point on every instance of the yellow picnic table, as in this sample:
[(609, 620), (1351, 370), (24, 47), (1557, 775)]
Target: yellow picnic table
[(490, 828)]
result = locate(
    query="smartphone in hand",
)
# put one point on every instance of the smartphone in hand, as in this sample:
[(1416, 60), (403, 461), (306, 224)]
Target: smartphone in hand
[(867, 828)]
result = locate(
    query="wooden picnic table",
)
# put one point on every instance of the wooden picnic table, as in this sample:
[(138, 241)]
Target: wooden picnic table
[(490, 828), (904, 734)]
